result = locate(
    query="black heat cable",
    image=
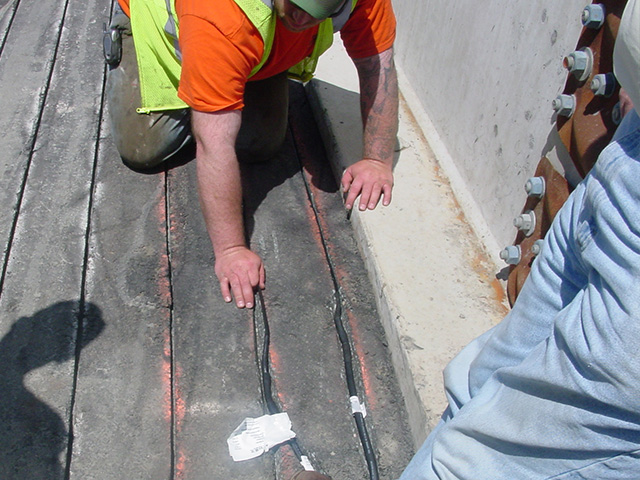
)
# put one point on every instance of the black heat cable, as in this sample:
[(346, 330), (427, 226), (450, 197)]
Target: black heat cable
[(358, 415), (265, 373)]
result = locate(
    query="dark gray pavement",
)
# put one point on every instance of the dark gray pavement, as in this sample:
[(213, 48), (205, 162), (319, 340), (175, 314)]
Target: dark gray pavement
[(118, 358)]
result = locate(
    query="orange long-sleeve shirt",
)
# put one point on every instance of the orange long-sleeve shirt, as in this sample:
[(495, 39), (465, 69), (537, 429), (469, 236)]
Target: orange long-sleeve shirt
[(220, 47)]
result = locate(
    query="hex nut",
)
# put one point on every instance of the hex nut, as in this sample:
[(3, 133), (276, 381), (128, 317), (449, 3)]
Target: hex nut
[(579, 63), (603, 84), (511, 254), (536, 248), (535, 187), (593, 15), (525, 222), (564, 105)]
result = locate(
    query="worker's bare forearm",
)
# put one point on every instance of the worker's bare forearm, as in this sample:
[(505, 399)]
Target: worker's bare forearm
[(379, 105), (219, 183), (221, 202), (239, 270)]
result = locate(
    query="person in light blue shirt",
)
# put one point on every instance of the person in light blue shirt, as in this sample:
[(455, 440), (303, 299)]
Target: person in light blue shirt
[(553, 391)]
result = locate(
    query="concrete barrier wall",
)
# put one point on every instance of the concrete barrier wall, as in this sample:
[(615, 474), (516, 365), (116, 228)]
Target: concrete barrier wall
[(482, 76)]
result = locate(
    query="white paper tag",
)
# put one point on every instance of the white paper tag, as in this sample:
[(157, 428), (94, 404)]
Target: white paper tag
[(254, 436)]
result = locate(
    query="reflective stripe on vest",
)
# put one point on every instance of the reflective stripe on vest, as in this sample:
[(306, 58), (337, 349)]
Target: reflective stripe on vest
[(156, 31)]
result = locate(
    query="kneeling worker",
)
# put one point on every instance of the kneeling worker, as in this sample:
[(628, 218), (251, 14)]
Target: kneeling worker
[(217, 72)]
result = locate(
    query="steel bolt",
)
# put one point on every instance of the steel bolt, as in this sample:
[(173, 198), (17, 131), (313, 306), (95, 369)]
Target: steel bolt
[(511, 254), (535, 187), (593, 15), (564, 105), (536, 248), (579, 63), (525, 222), (603, 84)]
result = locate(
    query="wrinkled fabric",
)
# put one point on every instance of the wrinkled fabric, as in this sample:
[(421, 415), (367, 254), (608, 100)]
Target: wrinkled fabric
[(553, 391)]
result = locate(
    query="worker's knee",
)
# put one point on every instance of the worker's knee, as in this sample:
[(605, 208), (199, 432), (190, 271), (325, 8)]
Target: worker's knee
[(144, 156), (143, 141), (146, 141), (138, 157)]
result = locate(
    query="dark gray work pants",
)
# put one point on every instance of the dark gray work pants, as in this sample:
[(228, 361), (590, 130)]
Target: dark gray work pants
[(144, 141)]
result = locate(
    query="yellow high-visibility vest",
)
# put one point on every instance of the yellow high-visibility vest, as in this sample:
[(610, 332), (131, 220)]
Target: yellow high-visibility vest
[(155, 28)]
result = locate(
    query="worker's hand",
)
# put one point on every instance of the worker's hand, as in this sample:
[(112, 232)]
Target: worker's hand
[(239, 271), (370, 179)]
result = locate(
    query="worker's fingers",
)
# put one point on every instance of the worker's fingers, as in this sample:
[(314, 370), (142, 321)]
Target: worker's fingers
[(372, 198), (365, 195), (347, 178), (370, 180), (242, 291), (353, 191), (224, 289), (352, 194), (247, 294), (350, 190), (386, 192), (240, 271)]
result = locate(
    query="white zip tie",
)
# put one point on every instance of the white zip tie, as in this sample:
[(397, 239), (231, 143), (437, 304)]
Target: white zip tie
[(306, 464), (357, 407)]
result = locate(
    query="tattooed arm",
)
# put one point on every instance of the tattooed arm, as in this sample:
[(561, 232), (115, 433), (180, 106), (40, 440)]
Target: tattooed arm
[(372, 177)]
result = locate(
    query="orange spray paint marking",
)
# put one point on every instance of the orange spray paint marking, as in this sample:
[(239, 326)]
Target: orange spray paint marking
[(179, 413), (166, 379), (173, 403), (369, 391), (320, 226), (276, 367), (163, 287), (180, 466), (340, 273)]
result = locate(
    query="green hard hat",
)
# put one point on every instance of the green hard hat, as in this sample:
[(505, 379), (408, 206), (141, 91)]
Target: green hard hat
[(319, 9)]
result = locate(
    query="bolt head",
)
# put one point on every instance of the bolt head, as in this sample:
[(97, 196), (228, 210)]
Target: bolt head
[(511, 254), (564, 104), (593, 15), (525, 222), (603, 84), (536, 248), (535, 186), (577, 62)]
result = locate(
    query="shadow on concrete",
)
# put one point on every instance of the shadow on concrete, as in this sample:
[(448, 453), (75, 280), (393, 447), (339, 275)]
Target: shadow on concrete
[(32, 434), (554, 144), (342, 125), (259, 179)]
